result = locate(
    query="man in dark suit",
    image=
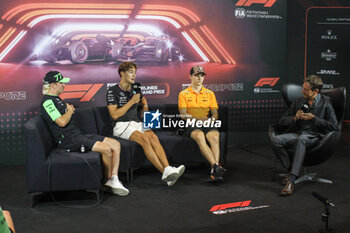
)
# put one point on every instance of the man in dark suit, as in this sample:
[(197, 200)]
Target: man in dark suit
[(307, 120)]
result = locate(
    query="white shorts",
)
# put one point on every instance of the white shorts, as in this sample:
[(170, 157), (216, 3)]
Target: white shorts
[(126, 128)]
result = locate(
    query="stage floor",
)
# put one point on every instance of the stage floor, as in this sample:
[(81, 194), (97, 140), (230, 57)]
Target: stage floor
[(153, 207)]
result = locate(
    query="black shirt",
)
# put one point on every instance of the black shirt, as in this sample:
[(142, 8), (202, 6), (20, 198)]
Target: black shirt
[(116, 95), (53, 107)]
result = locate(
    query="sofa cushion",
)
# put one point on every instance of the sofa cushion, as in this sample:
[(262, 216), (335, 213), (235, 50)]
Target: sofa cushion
[(71, 171), (84, 119), (103, 121)]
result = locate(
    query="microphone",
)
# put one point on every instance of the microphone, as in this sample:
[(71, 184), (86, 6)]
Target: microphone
[(323, 199), (137, 88), (305, 107)]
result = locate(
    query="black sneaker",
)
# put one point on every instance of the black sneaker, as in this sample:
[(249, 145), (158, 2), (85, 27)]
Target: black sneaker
[(218, 170), (215, 179), (217, 173)]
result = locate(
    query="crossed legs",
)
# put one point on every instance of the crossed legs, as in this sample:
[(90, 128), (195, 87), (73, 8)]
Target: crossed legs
[(299, 144), (156, 155), (110, 151), (153, 149)]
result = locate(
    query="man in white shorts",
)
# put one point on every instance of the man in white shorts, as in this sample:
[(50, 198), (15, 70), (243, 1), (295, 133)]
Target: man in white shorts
[(122, 101)]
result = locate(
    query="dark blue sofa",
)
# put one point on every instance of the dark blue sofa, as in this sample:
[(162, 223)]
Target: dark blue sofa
[(49, 169)]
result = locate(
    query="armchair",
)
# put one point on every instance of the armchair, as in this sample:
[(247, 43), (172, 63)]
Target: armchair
[(325, 149)]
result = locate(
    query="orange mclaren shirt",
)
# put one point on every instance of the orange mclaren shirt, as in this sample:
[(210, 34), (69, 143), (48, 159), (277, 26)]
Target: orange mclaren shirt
[(197, 104)]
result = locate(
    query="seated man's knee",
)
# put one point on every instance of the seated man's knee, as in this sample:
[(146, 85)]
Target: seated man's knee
[(107, 151), (303, 139), (277, 141), (213, 137), (198, 136), (145, 139), (153, 137), (113, 143), (103, 148)]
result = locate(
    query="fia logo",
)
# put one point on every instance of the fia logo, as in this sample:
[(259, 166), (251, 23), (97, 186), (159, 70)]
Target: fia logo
[(151, 120), (240, 13)]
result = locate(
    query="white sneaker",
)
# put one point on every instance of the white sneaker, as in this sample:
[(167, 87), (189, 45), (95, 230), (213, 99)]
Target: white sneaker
[(170, 174), (180, 170), (116, 187)]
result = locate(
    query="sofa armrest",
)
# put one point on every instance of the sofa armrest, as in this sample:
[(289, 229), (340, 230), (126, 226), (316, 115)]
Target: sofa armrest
[(39, 144)]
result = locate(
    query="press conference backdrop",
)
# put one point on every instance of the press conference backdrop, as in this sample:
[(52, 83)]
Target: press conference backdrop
[(328, 36), (240, 44)]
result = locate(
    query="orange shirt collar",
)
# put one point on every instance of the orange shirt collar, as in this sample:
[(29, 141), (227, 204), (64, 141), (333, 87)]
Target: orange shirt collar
[(193, 92)]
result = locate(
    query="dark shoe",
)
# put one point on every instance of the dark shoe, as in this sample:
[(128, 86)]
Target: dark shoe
[(215, 179), (216, 174), (285, 179), (218, 170), (287, 189)]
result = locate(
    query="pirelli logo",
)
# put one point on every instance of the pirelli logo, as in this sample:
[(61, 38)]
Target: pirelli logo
[(84, 92), (271, 81), (266, 3)]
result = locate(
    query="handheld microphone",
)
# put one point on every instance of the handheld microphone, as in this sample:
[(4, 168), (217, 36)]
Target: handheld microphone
[(323, 199), (137, 88), (305, 107)]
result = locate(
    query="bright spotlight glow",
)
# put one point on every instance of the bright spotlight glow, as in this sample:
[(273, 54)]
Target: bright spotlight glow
[(181, 57), (12, 44), (64, 29), (43, 44), (198, 50), (145, 28), (169, 44), (63, 16), (169, 20)]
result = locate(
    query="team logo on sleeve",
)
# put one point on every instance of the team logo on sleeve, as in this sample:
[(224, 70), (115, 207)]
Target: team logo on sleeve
[(151, 120)]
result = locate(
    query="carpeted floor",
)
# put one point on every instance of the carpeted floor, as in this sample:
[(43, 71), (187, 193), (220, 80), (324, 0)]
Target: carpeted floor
[(153, 207)]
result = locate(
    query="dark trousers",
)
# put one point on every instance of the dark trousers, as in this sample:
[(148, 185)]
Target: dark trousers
[(295, 143)]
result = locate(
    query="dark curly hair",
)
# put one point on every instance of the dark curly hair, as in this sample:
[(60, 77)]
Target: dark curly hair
[(315, 82)]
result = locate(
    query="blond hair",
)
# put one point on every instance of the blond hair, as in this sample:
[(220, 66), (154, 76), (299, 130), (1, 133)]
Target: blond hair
[(46, 88)]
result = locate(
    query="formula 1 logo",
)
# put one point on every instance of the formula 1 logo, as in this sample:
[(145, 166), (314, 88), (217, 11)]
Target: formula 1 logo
[(84, 92), (267, 81), (267, 3), (151, 120), (234, 207)]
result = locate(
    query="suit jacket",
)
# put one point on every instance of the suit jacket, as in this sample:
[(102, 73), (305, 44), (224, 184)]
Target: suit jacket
[(324, 121)]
